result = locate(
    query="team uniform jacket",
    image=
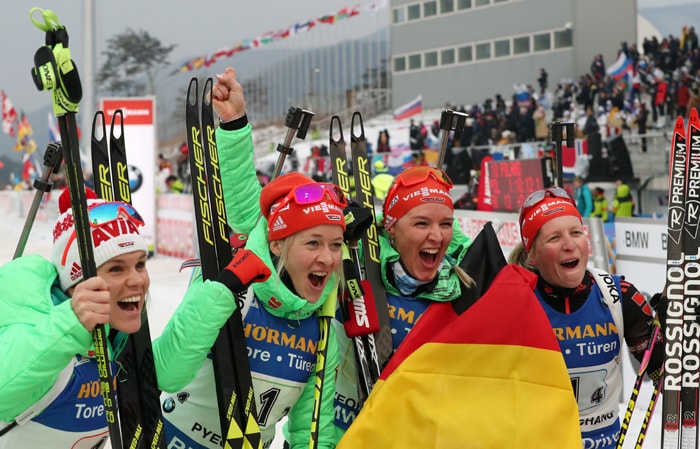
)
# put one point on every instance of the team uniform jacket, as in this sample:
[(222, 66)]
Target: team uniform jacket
[(281, 331), (591, 346), (42, 341), (403, 313)]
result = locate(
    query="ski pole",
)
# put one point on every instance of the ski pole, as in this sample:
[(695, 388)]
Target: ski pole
[(449, 121), (557, 137), (55, 71), (297, 122), (52, 162), (637, 386)]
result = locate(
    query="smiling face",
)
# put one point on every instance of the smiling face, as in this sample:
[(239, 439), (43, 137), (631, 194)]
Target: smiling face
[(128, 282), (560, 252), (421, 237), (311, 256)]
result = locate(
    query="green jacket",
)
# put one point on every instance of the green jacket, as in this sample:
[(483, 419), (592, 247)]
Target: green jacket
[(623, 204), (242, 200), (40, 333)]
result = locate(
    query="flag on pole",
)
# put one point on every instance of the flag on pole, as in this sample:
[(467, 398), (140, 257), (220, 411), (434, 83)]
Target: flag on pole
[(9, 115), (411, 108), (621, 67), (25, 135)]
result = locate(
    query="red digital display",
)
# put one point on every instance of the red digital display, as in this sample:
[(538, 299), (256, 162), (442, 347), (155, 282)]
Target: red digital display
[(510, 182)]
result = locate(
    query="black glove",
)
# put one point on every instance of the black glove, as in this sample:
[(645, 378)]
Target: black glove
[(358, 219), (659, 303), (244, 269)]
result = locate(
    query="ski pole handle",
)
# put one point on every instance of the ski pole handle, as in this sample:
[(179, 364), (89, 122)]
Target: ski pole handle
[(449, 121), (297, 122)]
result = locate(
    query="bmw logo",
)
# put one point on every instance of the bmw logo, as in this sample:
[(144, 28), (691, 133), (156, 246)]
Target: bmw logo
[(135, 178), (168, 405)]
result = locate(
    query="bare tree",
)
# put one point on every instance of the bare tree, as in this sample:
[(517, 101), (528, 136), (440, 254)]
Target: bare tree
[(133, 59)]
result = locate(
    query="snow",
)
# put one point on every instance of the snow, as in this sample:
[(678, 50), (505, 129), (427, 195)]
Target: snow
[(168, 285)]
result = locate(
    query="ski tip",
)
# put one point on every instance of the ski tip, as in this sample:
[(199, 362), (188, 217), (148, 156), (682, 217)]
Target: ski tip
[(693, 118), (680, 125)]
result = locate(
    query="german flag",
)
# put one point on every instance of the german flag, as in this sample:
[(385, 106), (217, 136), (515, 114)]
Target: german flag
[(490, 376)]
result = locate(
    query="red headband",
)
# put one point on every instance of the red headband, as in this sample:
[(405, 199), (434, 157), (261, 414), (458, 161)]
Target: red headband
[(402, 198), (533, 218)]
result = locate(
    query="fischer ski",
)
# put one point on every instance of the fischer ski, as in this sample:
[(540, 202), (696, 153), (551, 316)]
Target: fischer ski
[(370, 241), (356, 311), (233, 381), (139, 396), (55, 71)]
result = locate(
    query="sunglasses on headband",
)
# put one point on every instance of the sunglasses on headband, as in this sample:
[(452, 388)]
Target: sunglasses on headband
[(313, 193), (537, 196), (103, 213), (418, 175)]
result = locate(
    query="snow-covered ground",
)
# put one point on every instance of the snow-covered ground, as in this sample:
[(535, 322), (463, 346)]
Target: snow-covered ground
[(168, 286)]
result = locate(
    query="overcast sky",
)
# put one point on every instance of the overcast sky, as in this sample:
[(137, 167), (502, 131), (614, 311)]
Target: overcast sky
[(194, 28)]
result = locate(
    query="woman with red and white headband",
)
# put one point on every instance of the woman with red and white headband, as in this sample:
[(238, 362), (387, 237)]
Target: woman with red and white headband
[(300, 238), (421, 246), (586, 313)]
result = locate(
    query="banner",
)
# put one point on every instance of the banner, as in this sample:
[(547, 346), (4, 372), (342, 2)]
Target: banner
[(140, 141)]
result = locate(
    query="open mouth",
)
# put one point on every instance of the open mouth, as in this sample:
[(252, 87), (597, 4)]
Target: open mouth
[(429, 256), (130, 304), (569, 264), (317, 278)]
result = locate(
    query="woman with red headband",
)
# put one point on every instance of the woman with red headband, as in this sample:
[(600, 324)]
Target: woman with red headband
[(295, 225), (48, 312), (584, 308), (421, 246)]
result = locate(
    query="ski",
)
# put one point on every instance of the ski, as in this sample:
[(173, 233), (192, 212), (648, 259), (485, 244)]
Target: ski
[(66, 91), (675, 280), (691, 288), (139, 396), (370, 241), (233, 381), (366, 361)]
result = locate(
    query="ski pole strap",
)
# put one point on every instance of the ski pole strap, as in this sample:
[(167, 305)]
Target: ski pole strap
[(54, 69)]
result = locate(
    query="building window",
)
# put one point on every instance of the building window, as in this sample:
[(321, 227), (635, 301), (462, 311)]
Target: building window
[(464, 4), (521, 45), (542, 42), (430, 9), (447, 6), (430, 58), (413, 11), (478, 3), (563, 39), (414, 62), (501, 48), (400, 64), (399, 15), (447, 56), (465, 54), (483, 51)]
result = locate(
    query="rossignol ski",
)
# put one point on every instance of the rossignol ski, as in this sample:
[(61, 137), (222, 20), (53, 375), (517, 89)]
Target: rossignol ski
[(354, 308), (139, 397), (674, 290), (55, 71), (370, 241), (233, 381)]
